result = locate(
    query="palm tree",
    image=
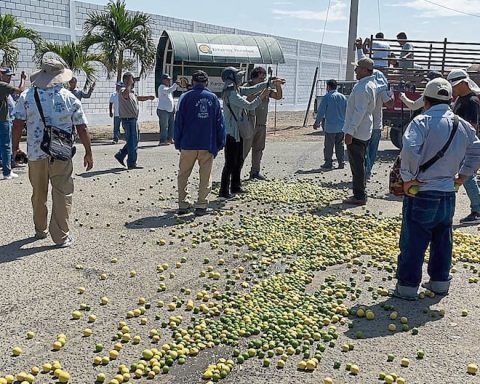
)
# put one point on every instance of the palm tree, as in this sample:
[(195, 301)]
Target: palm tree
[(119, 32), (75, 55), (10, 31)]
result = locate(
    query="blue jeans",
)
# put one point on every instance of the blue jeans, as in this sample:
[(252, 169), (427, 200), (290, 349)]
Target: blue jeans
[(130, 126), (6, 147), (166, 122), (116, 128), (473, 193), (372, 149), (427, 220)]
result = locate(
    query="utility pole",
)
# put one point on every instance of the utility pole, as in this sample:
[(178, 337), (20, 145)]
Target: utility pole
[(352, 35)]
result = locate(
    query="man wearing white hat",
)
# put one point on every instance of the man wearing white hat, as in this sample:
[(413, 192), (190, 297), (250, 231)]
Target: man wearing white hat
[(61, 110), (439, 150), (467, 107)]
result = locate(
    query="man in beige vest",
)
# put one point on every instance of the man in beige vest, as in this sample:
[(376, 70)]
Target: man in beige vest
[(257, 142)]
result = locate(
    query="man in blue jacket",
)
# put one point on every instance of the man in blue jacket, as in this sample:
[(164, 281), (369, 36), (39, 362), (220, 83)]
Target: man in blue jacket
[(199, 135)]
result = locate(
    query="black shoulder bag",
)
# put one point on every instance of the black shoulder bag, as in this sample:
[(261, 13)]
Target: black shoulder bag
[(395, 179), (56, 143)]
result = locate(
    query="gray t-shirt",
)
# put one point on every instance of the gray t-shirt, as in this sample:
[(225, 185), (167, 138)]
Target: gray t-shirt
[(127, 108), (407, 48)]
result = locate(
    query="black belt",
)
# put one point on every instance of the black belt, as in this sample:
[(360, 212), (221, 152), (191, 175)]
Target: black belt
[(128, 118)]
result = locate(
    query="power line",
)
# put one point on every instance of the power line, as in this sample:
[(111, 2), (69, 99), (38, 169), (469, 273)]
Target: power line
[(451, 9), (323, 33), (326, 19)]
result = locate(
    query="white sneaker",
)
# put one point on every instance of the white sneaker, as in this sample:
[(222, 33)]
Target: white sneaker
[(67, 243), (12, 175)]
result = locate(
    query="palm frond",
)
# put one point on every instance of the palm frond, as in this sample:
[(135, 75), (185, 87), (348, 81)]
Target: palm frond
[(117, 31), (10, 31)]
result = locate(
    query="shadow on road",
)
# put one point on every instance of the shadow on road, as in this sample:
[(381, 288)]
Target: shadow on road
[(15, 250), (169, 219), (418, 314), (115, 171)]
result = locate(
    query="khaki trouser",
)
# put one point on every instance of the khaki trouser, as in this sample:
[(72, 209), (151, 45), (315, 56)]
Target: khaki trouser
[(59, 174), (187, 161), (257, 145)]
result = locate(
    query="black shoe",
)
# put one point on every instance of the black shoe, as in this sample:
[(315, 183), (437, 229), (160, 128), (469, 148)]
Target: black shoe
[(341, 165), (183, 211), (257, 176), (238, 190), (119, 159), (326, 166), (201, 211), (472, 218), (135, 167), (225, 196)]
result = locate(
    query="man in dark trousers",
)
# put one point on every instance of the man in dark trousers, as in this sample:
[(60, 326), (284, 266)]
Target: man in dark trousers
[(358, 127), (199, 135), (428, 211), (332, 109)]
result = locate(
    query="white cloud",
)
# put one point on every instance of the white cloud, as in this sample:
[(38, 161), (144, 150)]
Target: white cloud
[(432, 10), (337, 12)]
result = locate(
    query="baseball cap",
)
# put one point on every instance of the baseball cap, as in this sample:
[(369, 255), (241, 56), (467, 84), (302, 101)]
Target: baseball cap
[(364, 62), (439, 89), (165, 76), (7, 71), (200, 76), (456, 76), (432, 75), (232, 75)]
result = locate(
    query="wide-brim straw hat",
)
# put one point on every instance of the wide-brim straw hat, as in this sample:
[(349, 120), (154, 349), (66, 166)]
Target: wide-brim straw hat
[(51, 73)]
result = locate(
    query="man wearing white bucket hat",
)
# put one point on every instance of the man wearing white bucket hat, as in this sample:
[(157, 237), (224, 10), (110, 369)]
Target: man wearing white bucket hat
[(467, 105), (62, 111)]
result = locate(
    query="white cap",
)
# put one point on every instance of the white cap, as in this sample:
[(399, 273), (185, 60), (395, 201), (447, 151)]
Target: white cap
[(439, 89), (456, 76)]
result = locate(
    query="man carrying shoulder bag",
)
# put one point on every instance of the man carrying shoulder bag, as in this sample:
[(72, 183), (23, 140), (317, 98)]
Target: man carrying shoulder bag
[(450, 147), (51, 112)]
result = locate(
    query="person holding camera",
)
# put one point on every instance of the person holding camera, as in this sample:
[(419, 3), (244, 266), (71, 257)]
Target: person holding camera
[(257, 142), (50, 112), (128, 112), (6, 91)]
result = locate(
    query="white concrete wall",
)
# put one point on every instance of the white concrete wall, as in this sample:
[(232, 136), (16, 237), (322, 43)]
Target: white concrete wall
[(62, 20)]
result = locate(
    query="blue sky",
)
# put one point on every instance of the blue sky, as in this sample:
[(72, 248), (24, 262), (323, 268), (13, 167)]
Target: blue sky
[(302, 19)]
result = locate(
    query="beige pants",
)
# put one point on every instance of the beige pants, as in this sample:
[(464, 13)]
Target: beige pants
[(187, 161), (257, 145), (59, 174)]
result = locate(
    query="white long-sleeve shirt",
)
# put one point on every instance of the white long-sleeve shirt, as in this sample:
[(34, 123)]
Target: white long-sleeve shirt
[(165, 97), (360, 107), (413, 105)]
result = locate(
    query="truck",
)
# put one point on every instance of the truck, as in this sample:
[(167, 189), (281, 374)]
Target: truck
[(408, 75)]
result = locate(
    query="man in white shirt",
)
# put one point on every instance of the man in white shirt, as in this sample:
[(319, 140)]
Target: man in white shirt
[(380, 51), (358, 127), (113, 109), (406, 56), (166, 109)]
